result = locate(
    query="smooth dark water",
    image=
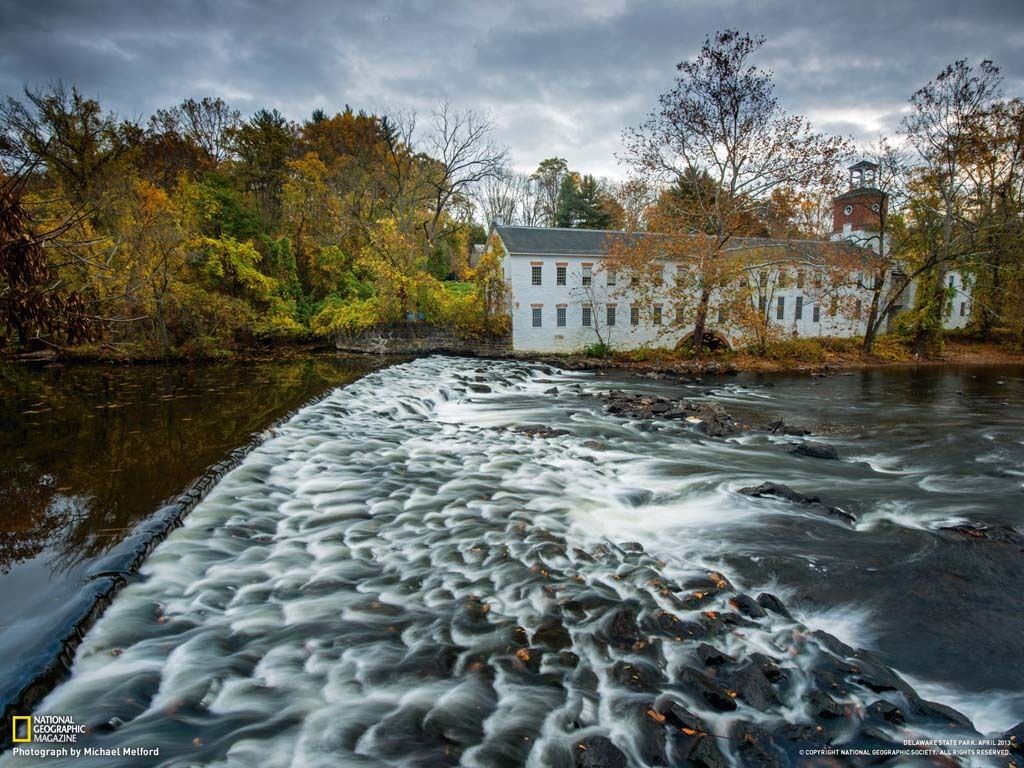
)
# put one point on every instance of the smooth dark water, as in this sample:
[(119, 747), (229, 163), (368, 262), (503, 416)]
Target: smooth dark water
[(87, 452), (362, 589)]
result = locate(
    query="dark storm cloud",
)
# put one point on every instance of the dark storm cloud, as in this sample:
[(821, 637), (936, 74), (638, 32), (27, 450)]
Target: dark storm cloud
[(559, 78)]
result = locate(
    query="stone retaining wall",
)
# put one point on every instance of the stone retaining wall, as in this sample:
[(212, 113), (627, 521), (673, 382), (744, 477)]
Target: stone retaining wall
[(423, 339)]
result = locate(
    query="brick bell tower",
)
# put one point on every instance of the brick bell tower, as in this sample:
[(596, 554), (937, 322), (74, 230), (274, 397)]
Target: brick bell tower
[(858, 214)]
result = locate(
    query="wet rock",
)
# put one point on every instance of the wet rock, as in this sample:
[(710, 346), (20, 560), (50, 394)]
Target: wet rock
[(768, 667), (746, 605), (821, 705), (691, 744), (598, 752), (552, 634), (815, 450), (754, 687), (640, 676), (622, 629), (672, 626), (771, 603), (885, 711), (552, 391), (703, 688), (779, 426), (595, 445), (755, 747), (711, 656), (940, 713), (811, 503), (716, 421), (481, 388), (540, 430), (1002, 534)]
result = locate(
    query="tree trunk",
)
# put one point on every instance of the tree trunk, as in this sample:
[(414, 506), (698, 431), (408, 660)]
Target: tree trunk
[(871, 331)]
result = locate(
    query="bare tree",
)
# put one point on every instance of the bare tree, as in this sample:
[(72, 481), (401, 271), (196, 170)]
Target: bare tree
[(722, 122), (463, 155), (208, 122), (501, 197)]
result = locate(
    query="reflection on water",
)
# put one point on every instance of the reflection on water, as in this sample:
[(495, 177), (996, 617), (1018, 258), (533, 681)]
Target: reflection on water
[(86, 452)]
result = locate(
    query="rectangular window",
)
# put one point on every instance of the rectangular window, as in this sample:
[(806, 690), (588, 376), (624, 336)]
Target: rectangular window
[(611, 315), (680, 315), (611, 277), (537, 316), (721, 315), (634, 280), (634, 315), (761, 303), (800, 279), (560, 317), (657, 314), (780, 309), (560, 274), (535, 275), (799, 308), (587, 272), (950, 281), (963, 308), (857, 306), (816, 314), (762, 279), (586, 316)]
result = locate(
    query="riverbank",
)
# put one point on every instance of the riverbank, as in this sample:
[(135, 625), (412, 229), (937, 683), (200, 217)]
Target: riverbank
[(813, 356)]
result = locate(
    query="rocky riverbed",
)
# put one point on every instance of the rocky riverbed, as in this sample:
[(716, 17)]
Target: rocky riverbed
[(450, 563)]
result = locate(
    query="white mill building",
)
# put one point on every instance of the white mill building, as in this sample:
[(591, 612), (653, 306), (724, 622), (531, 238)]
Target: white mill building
[(563, 298)]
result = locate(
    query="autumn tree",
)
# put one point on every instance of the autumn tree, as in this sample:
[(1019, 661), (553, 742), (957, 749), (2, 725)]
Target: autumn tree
[(721, 121), (945, 115), (207, 124), (548, 177), (264, 143)]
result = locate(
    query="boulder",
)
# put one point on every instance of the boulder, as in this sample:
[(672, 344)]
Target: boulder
[(811, 503), (703, 688), (598, 752), (815, 450)]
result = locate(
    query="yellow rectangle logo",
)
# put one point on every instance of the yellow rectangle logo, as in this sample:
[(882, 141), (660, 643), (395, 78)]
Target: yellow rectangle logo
[(27, 729)]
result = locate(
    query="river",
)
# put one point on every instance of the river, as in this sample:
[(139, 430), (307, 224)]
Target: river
[(88, 452), (417, 571)]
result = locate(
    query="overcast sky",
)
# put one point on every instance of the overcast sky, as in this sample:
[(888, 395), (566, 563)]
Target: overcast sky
[(560, 78)]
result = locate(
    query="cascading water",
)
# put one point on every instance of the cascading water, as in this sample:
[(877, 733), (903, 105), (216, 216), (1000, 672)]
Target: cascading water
[(448, 563)]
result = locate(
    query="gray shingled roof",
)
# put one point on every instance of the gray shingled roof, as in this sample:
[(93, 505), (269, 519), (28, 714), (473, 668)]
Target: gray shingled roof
[(535, 241), (555, 241)]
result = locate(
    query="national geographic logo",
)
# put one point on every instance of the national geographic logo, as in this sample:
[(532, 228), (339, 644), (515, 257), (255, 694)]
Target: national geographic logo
[(45, 729)]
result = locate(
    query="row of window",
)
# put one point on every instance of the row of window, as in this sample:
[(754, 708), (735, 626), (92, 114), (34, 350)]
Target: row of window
[(587, 274), (586, 313), (611, 315)]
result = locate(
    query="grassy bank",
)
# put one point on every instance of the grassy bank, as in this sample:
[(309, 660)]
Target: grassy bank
[(811, 355)]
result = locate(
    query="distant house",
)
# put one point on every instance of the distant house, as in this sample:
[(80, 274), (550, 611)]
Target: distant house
[(564, 296)]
